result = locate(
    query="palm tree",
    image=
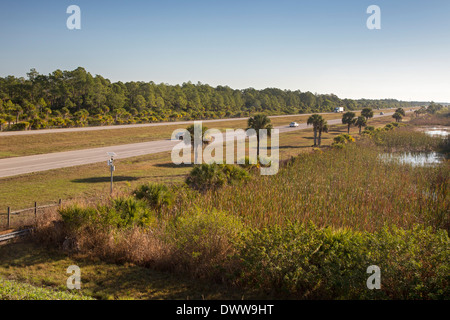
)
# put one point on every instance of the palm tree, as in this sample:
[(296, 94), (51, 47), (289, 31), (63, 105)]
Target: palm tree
[(348, 118), (367, 113), (259, 122), (316, 120), (323, 127), (360, 122), (400, 111)]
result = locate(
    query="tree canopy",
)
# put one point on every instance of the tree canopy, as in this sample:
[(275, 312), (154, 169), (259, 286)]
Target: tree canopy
[(77, 98)]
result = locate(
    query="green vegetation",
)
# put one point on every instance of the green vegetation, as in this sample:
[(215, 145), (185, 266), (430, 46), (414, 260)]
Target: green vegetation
[(12, 290), (341, 140), (305, 262), (76, 99), (213, 176), (156, 195), (202, 242), (121, 212)]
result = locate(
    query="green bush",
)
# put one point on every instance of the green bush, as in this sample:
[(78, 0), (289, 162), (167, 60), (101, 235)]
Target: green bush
[(213, 176), (202, 241), (341, 140), (128, 211), (415, 263), (369, 130), (120, 213), (75, 216), (305, 262), (156, 195)]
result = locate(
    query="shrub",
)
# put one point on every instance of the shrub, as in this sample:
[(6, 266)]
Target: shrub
[(202, 241), (369, 130), (303, 261), (128, 211), (120, 213), (156, 195), (415, 263), (213, 176), (341, 140), (75, 216)]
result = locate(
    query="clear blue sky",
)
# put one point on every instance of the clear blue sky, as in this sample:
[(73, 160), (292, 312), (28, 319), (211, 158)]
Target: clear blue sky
[(321, 46)]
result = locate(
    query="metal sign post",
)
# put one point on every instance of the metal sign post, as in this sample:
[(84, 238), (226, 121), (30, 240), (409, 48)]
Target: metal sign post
[(112, 168)]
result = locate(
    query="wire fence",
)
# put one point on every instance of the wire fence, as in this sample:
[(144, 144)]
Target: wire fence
[(24, 217)]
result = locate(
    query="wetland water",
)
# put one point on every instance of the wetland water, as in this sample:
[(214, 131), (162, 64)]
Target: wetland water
[(414, 158)]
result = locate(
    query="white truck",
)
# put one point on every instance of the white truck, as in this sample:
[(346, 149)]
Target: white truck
[(339, 109)]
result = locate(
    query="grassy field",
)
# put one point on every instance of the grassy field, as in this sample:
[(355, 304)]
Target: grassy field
[(92, 181), (23, 145)]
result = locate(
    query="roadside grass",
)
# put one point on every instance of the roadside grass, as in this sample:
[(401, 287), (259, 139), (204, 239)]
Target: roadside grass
[(24, 145), (12, 290), (29, 264), (93, 181)]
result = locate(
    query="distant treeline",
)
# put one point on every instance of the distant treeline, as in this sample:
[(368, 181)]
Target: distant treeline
[(76, 98)]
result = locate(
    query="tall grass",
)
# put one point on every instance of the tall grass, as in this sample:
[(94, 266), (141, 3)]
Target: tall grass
[(341, 188), (406, 139)]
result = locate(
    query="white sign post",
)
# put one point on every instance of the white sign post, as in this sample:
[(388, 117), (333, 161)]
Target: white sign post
[(112, 168)]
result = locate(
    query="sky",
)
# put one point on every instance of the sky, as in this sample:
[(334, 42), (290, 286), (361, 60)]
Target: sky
[(322, 46)]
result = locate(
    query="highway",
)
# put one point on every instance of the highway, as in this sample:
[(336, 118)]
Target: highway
[(35, 163)]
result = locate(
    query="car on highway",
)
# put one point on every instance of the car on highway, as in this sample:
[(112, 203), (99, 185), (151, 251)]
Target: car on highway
[(293, 124), (381, 113)]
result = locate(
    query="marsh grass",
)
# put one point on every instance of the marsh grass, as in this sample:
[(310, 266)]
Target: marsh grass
[(340, 188)]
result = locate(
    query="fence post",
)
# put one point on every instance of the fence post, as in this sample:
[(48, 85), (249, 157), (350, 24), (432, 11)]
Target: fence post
[(9, 218), (35, 212)]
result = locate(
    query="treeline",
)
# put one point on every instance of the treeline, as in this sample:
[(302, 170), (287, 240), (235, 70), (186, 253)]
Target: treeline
[(76, 98)]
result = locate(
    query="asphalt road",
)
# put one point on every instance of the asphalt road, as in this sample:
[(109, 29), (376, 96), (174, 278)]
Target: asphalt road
[(35, 163)]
